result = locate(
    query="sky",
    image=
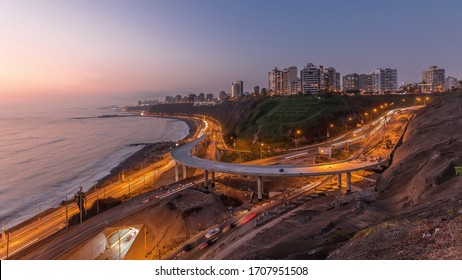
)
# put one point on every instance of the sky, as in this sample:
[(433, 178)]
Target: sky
[(102, 52)]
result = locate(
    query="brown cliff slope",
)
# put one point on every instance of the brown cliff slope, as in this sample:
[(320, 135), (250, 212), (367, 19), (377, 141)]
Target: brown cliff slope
[(422, 192), (423, 167)]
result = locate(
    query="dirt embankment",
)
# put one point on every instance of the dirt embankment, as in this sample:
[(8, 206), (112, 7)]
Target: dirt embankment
[(414, 211), (176, 220), (421, 190)]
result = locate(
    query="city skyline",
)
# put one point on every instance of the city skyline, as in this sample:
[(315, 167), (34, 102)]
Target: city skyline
[(117, 52)]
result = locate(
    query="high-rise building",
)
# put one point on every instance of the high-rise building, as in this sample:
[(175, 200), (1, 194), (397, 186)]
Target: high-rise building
[(237, 89), (435, 77), (365, 83), (351, 83), (337, 82), (222, 96), (192, 98), (275, 81), (209, 97), (310, 78), (256, 90), (451, 83), (384, 80), (331, 84), (295, 87), (200, 97), (289, 75)]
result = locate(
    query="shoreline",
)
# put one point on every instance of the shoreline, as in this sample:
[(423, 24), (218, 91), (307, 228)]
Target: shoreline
[(148, 154)]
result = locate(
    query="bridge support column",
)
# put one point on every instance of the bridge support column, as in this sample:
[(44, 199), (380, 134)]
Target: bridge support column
[(185, 175), (348, 182), (206, 179), (213, 180), (339, 180), (177, 175), (260, 188)]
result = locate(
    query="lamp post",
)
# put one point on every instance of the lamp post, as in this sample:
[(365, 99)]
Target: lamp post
[(261, 150), (346, 123), (328, 132), (129, 186), (298, 132), (373, 111), (426, 99)]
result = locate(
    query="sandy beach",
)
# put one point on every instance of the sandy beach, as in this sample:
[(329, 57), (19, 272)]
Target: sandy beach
[(149, 154)]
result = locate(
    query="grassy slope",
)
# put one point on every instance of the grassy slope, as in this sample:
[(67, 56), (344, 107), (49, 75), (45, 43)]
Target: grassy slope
[(275, 120)]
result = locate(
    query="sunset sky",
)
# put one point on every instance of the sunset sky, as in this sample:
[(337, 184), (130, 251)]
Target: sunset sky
[(93, 52)]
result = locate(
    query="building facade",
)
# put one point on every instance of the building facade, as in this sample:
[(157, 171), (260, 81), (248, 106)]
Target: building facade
[(275, 81), (310, 78), (351, 83), (331, 80), (384, 80), (289, 75), (237, 89), (435, 77), (452, 83), (365, 83)]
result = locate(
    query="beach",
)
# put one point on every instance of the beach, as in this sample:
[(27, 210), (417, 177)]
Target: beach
[(143, 157)]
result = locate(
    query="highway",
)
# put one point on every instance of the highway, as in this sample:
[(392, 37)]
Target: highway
[(54, 221), (37, 232)]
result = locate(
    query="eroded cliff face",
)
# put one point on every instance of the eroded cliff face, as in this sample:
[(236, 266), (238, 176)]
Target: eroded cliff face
[(421, 191), (424, 165)]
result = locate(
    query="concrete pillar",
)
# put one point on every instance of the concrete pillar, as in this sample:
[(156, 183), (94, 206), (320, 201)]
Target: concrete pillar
[(177, 176), (339, 180), (260, 188), (206, 179), (213, 179), (185, 175), (348, 181)]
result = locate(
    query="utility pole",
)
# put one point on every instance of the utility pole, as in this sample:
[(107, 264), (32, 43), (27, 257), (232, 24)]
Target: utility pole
[(97, 201), (118, 233), (7, 244), (67, 214), (3, 234), (145, 240), (80, 197)]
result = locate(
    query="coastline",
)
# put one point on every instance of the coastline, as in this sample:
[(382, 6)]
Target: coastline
[(148, 154)]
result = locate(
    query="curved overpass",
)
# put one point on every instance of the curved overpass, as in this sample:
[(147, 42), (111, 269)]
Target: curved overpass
[(184, 156)]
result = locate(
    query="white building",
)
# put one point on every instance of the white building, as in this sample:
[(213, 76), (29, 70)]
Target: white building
[(289, 75), (310, 78), (237, 89), (384, 80)]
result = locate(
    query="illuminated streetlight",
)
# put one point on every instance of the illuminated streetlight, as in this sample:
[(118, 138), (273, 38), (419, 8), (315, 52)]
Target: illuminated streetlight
[(261, 150), (298, 132)]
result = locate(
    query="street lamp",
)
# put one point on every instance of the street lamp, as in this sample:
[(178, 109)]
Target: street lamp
[(298, 132), (234, 142), (426, 99), (346, 123), (261, 150), (331, 126), (129, 186), (372, 112)]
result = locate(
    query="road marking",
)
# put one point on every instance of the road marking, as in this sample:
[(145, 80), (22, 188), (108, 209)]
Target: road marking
[(19, 249)]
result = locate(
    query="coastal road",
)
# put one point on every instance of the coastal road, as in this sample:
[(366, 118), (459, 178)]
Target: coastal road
[(53, 221)]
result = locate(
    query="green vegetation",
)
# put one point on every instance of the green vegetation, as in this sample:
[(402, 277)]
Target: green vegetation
[(458, 170), (275, 120)]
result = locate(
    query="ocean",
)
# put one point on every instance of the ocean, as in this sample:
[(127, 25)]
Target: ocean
[(45, 156)]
